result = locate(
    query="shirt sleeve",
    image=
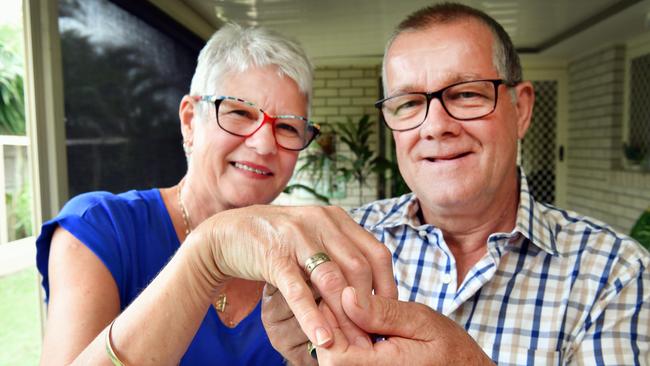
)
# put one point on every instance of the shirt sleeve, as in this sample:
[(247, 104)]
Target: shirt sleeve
[(91, 218), (620, 332)]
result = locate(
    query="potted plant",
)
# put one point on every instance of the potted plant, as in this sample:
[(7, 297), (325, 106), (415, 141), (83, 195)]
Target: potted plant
[(362, 161), (327, 170), (317, 165)]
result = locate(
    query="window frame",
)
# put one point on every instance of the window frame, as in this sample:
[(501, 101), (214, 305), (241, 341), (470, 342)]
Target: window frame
[(636, 47), (44, 116)]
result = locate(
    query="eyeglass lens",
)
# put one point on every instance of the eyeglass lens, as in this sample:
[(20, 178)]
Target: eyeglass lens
[(243, 119), (463, 101)]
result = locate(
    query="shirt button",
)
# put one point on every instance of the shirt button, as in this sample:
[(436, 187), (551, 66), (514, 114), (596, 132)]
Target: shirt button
[(422, 233), (446, 278)]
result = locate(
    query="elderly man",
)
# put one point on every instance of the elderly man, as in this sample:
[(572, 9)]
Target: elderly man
[(504, 278)]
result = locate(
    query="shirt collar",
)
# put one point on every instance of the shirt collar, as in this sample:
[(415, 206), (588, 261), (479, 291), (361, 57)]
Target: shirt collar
[(531, 221), (400, 213)]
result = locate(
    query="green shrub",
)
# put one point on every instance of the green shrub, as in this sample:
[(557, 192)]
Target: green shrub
[(19, 213), (641, 230)]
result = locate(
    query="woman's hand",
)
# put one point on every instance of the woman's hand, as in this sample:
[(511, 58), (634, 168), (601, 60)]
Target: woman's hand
[(416, 335), (283, 329), (272, 243)]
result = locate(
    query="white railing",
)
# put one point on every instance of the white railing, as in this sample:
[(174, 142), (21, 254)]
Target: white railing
[(18, 175)]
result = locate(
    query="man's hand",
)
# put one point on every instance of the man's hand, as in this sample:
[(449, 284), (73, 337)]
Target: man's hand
[(417, 335)]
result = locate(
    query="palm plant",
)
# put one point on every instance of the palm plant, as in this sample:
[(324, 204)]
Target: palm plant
[(325, 166), (363, 161)]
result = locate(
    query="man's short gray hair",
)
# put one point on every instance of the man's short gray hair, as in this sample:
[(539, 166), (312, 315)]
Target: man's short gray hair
[(234, 48), (504, 55)]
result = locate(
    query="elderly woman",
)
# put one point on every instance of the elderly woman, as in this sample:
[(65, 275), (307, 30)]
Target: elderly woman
[(243, 125)]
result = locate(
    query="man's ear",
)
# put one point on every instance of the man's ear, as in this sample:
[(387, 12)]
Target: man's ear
[(525, 101), (186, 112)]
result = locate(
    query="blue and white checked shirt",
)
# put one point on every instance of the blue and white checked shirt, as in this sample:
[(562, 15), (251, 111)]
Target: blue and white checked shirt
[(559, 289)]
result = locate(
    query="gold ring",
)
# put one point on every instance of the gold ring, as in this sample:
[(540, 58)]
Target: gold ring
[(311, 349), (314, 261)]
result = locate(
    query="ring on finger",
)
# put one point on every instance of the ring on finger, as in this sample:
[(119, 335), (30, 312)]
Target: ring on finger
[(314, 261), (311, 349)]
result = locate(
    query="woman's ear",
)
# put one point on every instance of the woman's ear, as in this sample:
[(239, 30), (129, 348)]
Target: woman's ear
[(525, 101), (186, 112)]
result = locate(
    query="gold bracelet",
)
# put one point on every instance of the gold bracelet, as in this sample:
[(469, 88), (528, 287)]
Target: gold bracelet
[(109, 348)]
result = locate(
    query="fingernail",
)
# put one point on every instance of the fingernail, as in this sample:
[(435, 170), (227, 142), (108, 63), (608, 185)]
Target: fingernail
[(363, 342), (322, 337), (361, 301)]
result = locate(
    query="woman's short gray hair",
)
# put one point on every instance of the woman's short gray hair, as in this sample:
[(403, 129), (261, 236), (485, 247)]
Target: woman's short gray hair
[(234, 48)]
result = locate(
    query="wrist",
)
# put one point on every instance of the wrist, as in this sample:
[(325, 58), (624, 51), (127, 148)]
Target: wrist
[(204, 256)]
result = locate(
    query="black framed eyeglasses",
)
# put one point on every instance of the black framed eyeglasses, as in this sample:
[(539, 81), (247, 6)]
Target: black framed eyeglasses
[(464, 101), (242, 118)]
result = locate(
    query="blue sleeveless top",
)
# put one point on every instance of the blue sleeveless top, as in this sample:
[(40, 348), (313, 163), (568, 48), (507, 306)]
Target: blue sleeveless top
[(133, 235)]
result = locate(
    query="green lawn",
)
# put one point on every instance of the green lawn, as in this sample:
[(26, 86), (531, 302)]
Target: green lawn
[(20, 334)]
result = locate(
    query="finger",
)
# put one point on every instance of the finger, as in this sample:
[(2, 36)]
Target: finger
[(330, 282), (274, 307), (344, 247), (286, 335), (361, 342), (298, 296), (340, 345), (383, 280), (374, 255), (283, 329), (344, 353), (341, 342), (389, 317), (269, 290)]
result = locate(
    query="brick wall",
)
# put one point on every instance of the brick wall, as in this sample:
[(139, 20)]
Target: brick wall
[(342, 94), (597, 185)]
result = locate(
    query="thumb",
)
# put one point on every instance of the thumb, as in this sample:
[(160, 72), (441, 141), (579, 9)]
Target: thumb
[(389, 317)]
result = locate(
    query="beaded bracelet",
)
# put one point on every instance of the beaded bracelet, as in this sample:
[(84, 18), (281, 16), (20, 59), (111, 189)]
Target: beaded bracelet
[(109, 348)]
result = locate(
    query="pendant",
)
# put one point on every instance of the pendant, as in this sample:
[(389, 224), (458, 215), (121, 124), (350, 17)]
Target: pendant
[(221, 303)]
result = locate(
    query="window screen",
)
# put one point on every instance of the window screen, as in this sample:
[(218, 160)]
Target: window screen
[(639, 123), (123, 81)]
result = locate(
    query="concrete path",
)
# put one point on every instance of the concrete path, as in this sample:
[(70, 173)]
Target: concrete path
[(17, 255)]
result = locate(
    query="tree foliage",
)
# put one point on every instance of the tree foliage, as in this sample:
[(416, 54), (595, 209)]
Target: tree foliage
[(12, 99)]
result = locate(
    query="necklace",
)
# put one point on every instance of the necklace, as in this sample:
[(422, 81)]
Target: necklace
[(186, 216), (221, 303), (230, 318), (222, 300)]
